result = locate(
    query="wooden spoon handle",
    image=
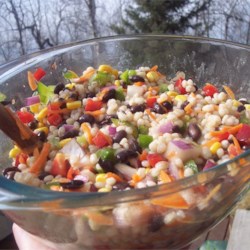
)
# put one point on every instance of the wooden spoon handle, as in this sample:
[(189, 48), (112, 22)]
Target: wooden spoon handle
[(22, 135)]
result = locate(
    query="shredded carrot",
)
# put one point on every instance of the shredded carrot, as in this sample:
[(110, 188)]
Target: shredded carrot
[(164, 177), (237, 145), (72, 173), (181, 173), (143, 155), (115, 176), (232, 129), (99, 218), (94, 113), (210, 142), (188, 109), (229, 91), (154, 68), (171, 201), (139, 83), (86, 76), (152, 116), (86, 130), (36, 153), (32, 81), (38, 165)]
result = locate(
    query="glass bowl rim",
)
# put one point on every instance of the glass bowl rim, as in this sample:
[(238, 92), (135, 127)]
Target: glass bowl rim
[(13, 191)]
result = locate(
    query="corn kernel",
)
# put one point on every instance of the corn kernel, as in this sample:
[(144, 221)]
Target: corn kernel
[(70, 86), (105, 68), (104, 189), (181, 98), (236, 103), (117, 83), (63, 142), (14, 152), (101, 178), (115, 73), (172, 93), (35, 108), (44, 129), (40, 124), (42, 114), (215, 147), (152, 76), (73, 105), (247, 106)]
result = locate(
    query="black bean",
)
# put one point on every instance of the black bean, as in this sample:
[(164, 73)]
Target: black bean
[(184, 104), (43, 175), (134, 145), (194, 131), (155, 222), (86, 118), (136, 78), (167, 105), (73, 96), (244, 101), (120, 186), (109, 95), (74, 184), (5, 102), (10, 169), (59, 87), (176, 129), (107, 120), (124, 155), (70, 134), (90, 95), (107, 165), (92, 188), (42, 136), (241, 108), (119, 136), (137, 108), (157, 108), (33, 125), (123, 84)]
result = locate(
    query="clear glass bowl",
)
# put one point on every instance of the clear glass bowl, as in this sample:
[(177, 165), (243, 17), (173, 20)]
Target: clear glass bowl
[(130, 219)]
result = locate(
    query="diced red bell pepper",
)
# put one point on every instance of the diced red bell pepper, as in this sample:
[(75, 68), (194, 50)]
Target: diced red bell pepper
[(60, 165), (55, 119), (21, 158), (232, 150), (93, 105), (151, 101), (223, 136), (54, 106), (179, 87), (25, 116), (101, 140), (209, 90), (39, 74), (243, 135), (154, 158)]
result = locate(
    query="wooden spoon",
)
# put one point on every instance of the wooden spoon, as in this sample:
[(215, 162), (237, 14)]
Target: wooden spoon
[(21, 134)]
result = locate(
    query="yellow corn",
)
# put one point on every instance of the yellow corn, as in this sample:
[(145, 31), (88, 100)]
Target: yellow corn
[(42, 114), (172, 93), (101, 178), (44, 129), (14, 152), (115, 73), (104, 189), (105, 68), (247, 106), (35, 108), (74, 105), (181, 98), (70, 86), (236, 103), (63, 142), (215, 147), (152, 76), (40, 124), (117, 83)]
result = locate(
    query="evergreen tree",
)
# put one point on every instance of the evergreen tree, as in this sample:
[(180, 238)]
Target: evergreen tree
[(161, 16)]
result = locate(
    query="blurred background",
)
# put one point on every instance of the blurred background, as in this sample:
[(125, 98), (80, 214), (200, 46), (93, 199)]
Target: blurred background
[(31, 25)]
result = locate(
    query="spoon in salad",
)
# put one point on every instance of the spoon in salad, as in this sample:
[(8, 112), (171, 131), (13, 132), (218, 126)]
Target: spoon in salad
[(13, 127)]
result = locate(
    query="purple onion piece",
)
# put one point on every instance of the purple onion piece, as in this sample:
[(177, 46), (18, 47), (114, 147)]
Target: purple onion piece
[(81, 178), (182, 144), (166, 128), (112, 130), (68, 127), (32, 100), (209, 164)]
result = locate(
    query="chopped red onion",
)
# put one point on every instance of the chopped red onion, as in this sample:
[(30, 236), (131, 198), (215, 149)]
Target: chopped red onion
[(182, 144), (209, 164), (81, 178), (166, 128), (68, 127), (112, 130), (32, 100)]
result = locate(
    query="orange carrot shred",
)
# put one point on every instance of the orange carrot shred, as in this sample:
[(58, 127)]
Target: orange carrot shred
[(188, 109), (210, 142), (94, 113), (152, 116), (86, 129), (40, 162), (115, 176), (165, 177), (229, 91), (237, 145), (232, 129), (32, 81), (154, 68), (143, 155), (139, 83)]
